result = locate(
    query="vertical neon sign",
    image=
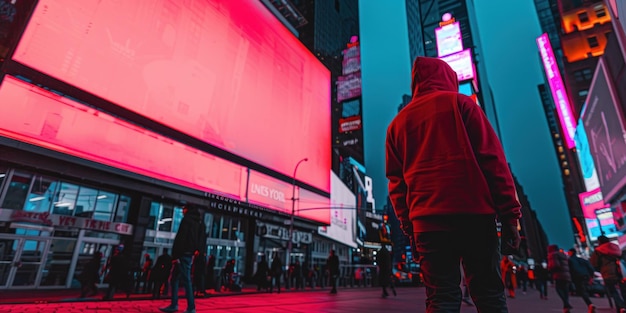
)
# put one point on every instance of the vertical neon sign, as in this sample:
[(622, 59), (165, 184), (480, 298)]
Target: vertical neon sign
[(563, 107)]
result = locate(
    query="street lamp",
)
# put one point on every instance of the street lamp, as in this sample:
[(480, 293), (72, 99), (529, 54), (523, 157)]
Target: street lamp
[(293, 212)]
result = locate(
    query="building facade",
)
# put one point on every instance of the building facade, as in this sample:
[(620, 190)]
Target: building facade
[(102, 143)]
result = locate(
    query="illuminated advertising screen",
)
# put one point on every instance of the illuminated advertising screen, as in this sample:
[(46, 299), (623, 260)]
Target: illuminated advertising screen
[(559, 94), (604, 124), (348, 86), (585, 160), (351, 60), (48, 120), (342, 213), (270, 192), (602, 224), (449, 39), (226, 72), (591, 201), (462, 64)]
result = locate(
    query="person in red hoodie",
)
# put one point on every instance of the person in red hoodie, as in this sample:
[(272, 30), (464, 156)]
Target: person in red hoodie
[(604, 258), (448, 182)]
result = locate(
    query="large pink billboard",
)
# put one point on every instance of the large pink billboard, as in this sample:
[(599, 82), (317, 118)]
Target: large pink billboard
[(226, 72), (449, 39), (559, 94), (48, 120)]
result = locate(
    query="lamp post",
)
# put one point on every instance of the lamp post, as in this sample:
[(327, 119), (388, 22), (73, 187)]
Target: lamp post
[(293, 212)]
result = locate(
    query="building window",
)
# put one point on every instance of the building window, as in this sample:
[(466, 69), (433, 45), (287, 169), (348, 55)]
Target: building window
[(593, 42), (600, 11), (583, 17), (583, 93), (583, 75)]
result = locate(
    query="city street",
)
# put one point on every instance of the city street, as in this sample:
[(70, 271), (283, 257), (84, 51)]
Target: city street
[(347, 300)]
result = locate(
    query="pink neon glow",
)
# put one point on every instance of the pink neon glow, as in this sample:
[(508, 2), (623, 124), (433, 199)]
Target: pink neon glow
[(462, 64), (559, 94), (57, 123), (449, 39), (226, 72), (591, 201), (273, 193)]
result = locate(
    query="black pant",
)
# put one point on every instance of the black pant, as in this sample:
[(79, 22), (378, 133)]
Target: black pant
[(475, 243), (581, 288)]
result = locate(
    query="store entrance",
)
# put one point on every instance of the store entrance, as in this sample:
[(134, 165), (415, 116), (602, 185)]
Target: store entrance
[(21, 261)]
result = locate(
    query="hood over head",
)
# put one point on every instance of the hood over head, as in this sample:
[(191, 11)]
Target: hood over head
[(432, 74), (610, 249)]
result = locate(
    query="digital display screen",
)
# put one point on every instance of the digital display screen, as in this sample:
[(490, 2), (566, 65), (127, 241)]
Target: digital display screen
[(226, 72), (57, 123), (462, 64), (449, 39)]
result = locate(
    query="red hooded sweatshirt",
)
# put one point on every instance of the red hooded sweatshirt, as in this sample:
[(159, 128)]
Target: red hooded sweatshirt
[(444, 160)]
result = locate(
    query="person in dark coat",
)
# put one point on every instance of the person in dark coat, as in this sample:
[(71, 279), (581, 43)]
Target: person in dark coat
[(385, 271), (604, 258), (582, 272), (210, 273), (118, 274), (191, 236), (160, 274), (199, 268), (333, 270), (558, 266), (90, 276), (541, 279), (277, 272), (262, 271)]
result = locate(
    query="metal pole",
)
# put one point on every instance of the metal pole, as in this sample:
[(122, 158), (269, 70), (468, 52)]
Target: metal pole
[(293, 212)]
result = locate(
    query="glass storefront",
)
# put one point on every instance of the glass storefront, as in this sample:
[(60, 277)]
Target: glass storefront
[(50, 227), (225, 234)]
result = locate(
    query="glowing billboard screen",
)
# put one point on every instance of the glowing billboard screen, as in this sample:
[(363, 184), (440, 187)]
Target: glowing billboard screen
[(606, 132), (342, 213), (449, 39), (462, 64), (559, 94), (48, 120), (226, 72)]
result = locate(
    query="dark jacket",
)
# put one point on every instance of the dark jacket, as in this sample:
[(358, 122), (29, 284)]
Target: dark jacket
[(442, 144), (579, 268), (604, 259), (162, 267), (384, 267), (277, 267), (189, 236), (558, 265), (333, 265)]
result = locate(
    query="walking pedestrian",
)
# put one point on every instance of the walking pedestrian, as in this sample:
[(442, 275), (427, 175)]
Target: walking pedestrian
[(507, 267), (90, 276), (277, 272), (581, 271), (118, 275), (262, 272), (191, 236), (448, 182), (199, 268), (558, 266), (333, 270), (522, 277), (160, 273), (385, 271), (541, 280), (604, 258)]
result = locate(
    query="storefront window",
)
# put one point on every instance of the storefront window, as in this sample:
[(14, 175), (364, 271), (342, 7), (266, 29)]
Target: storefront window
[(41, 194), (16, 192), (178, 217), (65, 199), (85, 203), (105, 206), (58, 262), (121, 213)]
